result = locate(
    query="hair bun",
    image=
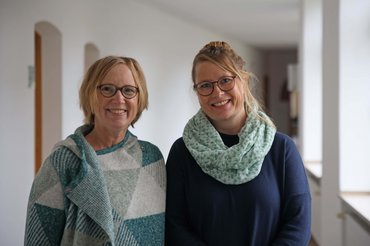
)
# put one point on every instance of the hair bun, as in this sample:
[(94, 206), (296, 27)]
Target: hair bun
[(217, 44), (219, 52), (216, 47)]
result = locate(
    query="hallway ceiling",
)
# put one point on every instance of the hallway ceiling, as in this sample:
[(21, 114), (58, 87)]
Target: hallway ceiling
[(265, 24)]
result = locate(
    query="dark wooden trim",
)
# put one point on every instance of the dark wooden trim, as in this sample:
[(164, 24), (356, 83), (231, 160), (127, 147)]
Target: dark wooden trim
[(38, 103)]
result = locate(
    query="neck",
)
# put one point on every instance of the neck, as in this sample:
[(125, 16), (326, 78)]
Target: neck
[(101, 140), (230, 126)]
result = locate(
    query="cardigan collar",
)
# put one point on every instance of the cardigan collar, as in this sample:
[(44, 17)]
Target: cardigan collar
[(88, 189)]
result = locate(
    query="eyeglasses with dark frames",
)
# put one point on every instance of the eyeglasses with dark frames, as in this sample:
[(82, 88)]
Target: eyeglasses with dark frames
[(109, 90), (206, 88)]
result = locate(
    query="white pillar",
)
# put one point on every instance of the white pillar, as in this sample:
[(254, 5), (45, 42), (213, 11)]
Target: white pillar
[(310, 113), (330, 209), (310, 60)]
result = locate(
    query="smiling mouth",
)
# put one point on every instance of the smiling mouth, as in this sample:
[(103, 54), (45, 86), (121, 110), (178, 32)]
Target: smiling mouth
[(222, 103), (117, 111)]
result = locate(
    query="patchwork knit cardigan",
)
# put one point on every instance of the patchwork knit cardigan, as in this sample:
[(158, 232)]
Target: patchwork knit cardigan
[(69, 202)]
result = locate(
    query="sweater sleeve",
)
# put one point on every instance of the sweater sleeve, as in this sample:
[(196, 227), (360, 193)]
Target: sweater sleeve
[(296, 206), (178, 231), (45, 213)]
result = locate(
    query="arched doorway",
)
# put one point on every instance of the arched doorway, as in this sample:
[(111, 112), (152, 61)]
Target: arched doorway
[(48, 90), (91, 55)]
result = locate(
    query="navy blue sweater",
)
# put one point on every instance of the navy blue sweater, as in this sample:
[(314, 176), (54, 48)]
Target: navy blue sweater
[(272, 209)]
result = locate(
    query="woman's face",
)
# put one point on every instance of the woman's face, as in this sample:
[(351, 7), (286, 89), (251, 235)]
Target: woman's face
[(224, 108), (116, 113)]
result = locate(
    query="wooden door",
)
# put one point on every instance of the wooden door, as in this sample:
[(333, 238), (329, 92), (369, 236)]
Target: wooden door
[(38, 103)]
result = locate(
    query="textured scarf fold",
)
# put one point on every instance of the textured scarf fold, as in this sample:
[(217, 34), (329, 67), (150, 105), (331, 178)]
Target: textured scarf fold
[(237, 164), (89, 191)]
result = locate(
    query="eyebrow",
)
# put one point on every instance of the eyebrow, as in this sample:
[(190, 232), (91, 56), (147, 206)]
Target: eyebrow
[(216, 79)]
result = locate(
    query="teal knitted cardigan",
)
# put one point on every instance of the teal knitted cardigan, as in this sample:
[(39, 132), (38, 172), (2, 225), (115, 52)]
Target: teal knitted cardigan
[(69, 203)]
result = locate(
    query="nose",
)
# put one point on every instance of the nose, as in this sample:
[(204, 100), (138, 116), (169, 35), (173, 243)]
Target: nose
[(119, 95), (217, 90)]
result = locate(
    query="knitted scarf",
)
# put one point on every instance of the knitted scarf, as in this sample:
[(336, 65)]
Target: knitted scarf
[(237, 164)]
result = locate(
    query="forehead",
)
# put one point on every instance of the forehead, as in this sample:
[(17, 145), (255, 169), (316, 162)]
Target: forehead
[(119, 74), (207, 71)]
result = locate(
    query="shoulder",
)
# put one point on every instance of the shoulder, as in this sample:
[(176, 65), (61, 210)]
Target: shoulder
[(282, 140), (283, 148), (178, 144), (148, 147), (65, 159), (178, 148), (151, 153), (179, 154), (65, 152)]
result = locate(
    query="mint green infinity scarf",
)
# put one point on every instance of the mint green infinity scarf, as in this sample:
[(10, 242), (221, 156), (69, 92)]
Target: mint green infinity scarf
[(237, 164)]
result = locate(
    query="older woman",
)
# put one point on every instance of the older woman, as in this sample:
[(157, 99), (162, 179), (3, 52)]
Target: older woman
[(232, 179), (101, 185)]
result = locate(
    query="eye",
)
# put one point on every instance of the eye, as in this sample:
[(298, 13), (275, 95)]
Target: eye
[(204, 85), (225, 80), (129, 90), (108, 89)]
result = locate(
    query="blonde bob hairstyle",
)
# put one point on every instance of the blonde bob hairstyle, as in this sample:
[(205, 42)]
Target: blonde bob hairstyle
[(94, 77), (222, 55)]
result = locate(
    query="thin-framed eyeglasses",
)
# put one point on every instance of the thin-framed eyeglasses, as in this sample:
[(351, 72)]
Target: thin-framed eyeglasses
[(206, 88), (109, 90)]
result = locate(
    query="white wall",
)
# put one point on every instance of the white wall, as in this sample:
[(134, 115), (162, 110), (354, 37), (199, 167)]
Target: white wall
[(163, 44), (354, 99), (353, 233), (346, 115)]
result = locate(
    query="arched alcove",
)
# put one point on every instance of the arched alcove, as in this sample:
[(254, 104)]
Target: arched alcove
[(91, 55), (48, 89)]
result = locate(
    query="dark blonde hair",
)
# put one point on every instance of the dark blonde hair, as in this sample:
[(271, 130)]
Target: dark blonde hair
[(94, 77), (222, 55)]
